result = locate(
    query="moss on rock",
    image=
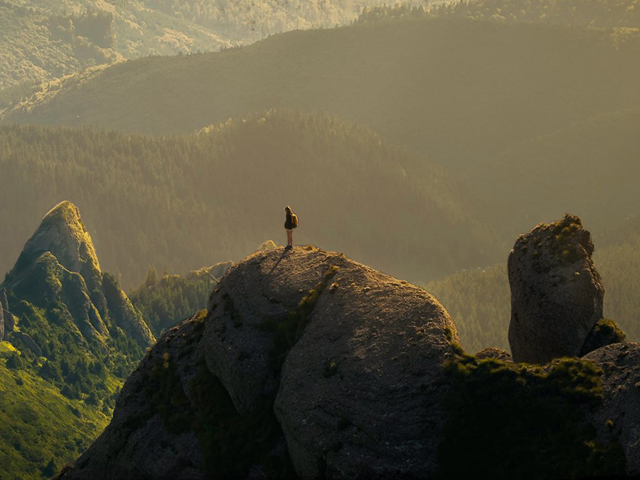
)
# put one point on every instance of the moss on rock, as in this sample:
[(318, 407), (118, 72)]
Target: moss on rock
[(524, 421), (605, 332)]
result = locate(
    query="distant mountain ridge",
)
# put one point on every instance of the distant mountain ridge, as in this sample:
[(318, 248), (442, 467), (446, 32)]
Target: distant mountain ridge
[(519, 72), (41, 41)]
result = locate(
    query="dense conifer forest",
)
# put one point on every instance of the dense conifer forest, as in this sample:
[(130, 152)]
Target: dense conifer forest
[(181, 202)]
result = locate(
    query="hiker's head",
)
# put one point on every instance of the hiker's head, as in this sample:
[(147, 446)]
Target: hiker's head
[(288, 210)]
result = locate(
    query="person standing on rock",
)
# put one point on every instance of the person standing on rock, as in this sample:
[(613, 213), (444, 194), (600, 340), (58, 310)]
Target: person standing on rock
[(290, 223)]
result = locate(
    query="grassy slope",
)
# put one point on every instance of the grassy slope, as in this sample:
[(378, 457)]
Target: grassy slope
[(38, 424), (455, 89)]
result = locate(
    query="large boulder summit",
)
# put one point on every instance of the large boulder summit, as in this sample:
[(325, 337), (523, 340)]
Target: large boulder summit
[(304, 355), (556, 292), (369, 353)]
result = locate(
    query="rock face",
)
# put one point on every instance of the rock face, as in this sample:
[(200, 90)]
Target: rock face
[(58, 268), (618, 419), (27, 341), (315, 356), (46, 281), (63, 234), (365, 369), (494, 353), (556, 292)]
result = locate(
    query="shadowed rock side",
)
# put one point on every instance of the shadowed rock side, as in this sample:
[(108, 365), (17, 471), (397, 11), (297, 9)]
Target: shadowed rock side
[(354, 357), (618, 419), (556, 292), (141, 442)]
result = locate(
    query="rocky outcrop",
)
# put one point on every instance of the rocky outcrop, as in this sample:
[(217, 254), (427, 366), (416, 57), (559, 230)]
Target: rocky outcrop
[(556, 292), (1, 322), (46, 282), (9, 321), (604, 332), (145, 439), (495, 353), (22, 339), (63, 234), (618, 419), (124, 313), (58, 270), (308, 364), (306, 354), (216, 271)]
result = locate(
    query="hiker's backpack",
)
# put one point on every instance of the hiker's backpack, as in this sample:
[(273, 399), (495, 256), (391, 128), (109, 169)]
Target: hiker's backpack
[(294, 220)]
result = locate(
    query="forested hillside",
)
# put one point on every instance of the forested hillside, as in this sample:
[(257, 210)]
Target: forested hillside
[(486, 100), (180, 202), (42, 40), (479, 300), (590, 168), (36, 45), (164, 302), (582, 13)]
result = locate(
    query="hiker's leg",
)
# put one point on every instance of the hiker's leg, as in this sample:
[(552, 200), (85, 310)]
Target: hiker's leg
[(289, 237)]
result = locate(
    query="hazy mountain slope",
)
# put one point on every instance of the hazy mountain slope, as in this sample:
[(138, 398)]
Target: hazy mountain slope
[(186, 201), (457, 90), (42, 40), (590, 169), (479, 301), (35, 46), (584, 13)]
